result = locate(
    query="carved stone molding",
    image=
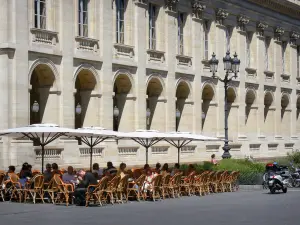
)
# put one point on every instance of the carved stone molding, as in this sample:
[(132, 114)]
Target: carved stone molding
[(242, 22), (284, 7), (278, 31), (294, 36), (171, 5), (251, 86), (221, 15), (268, 88), (269, 75), (260, 27), (198, 8)]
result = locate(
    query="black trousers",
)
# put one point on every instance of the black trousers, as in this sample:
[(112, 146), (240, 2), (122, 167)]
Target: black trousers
[(79, 195)]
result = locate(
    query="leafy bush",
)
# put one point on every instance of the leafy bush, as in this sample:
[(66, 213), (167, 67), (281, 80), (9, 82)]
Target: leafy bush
[(250, 173), (294, 157)]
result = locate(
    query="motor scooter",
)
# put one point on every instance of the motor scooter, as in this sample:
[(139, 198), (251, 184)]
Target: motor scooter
[(277, 182)]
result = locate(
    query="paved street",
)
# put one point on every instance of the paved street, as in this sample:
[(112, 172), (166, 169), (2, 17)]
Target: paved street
[(245, 207)]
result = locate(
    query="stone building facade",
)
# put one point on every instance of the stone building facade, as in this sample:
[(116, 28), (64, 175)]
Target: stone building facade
[(149, 54)]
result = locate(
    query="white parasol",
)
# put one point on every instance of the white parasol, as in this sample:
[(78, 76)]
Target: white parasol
[(43, 134)]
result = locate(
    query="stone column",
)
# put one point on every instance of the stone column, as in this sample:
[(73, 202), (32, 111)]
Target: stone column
[(67, 34), (241, 40), (171, 52), (106, 35), (293, 82), (140, 47), (278, 71), (198, 56)]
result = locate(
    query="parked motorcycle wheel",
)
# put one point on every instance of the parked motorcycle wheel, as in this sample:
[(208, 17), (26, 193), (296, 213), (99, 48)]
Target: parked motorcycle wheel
[(284, 190), (273, 190)]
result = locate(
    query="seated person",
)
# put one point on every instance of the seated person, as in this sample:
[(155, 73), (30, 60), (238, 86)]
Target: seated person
[(165, 169), (11, 169), (79, 193), (176, 169), (55, 169), (122, 172), (48, 173), (25, 174), (157, 168), (146, 168), (69, 177), (96, 169), (110, 170)]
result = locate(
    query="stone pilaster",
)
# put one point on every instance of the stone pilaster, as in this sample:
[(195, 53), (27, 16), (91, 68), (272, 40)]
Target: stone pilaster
[(171, 52), (107, 77), (141, 48), (197, 54)]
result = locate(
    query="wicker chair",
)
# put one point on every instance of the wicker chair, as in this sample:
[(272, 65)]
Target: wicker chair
[(95, 193), (122, 189), (16, 187), (216, 181), (187, 185), (135, 188), (51, 189), (34, 189), (2, 186), (174, 185), (165, 185), (111, 189), (155, 191), (64, 192)]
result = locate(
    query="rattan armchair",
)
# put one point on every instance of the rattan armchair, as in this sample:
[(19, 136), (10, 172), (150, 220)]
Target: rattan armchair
[(34, 189), (122, 189), (135, 188), (111, 190), (2, 186), (95, 193), (65, 191)]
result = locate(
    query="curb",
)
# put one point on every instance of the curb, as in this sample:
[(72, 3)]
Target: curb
[(250, 187)]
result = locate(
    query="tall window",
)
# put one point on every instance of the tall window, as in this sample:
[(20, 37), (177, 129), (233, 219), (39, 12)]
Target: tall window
[(120, 20), (298, 61), (283, 49), (205, 38), (248, 48), (228, 37), (83, 18), (180, 33), (267, 44), (152, 26), (40, 14)]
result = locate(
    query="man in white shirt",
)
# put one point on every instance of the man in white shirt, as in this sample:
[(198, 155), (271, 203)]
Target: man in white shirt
[(69, 177)]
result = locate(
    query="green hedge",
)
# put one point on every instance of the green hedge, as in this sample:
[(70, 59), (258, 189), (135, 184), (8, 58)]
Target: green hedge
[(250, 173)]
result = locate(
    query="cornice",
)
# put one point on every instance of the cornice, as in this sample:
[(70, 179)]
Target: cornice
[(282, 6)]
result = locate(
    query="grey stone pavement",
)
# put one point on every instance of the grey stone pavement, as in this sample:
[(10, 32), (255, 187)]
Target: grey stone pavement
[(239, 208)]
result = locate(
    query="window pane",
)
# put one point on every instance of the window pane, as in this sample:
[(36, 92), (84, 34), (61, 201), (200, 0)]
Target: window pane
[(85, 5), (42, 8), (85, 30), (85, 18), (36, 7), (36, 21), (122, 38), (43, 22)]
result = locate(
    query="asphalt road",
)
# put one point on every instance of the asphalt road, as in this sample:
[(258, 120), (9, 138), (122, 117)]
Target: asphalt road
[(239, 208)]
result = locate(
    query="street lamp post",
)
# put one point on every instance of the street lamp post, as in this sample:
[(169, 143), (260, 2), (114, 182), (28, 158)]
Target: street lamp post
[(231, 65), (178, 114)]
